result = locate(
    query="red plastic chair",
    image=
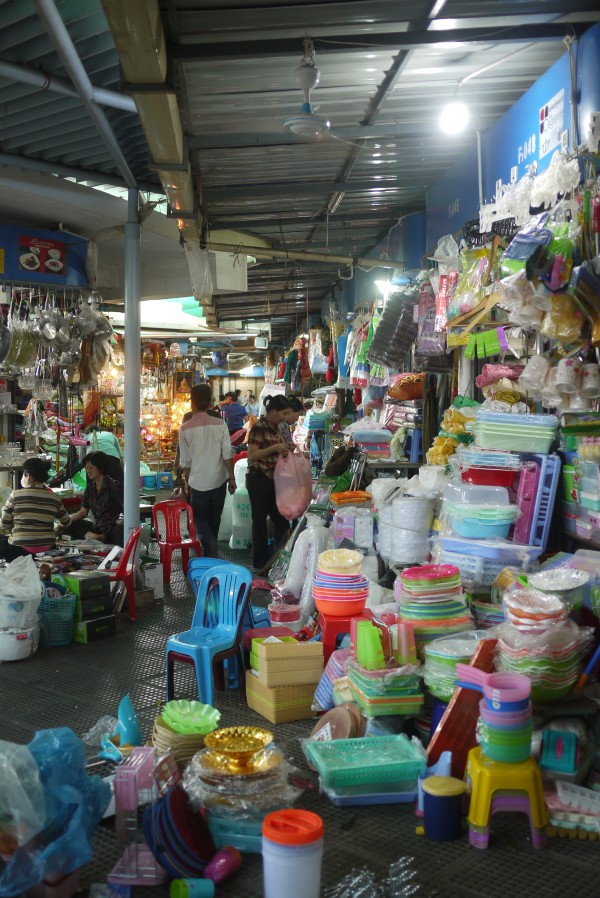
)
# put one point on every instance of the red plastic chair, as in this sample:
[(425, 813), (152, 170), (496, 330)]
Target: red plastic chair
[(171, 511), (125, 569)]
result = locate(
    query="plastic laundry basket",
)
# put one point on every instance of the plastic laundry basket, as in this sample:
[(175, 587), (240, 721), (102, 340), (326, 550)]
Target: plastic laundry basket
[(57, 620)]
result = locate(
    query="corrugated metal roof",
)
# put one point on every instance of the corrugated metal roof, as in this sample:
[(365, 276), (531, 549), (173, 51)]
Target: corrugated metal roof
[(383, 81)]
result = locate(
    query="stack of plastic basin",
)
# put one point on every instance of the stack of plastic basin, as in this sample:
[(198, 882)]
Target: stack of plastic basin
[(518, 433)]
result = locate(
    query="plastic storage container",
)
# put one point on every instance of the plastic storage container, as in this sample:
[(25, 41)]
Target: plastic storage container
[(358, 762), (292, 850), (57, 620)]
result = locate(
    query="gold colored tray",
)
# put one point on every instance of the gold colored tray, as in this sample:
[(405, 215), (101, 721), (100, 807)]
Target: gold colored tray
[(239, 744), (213, 764)]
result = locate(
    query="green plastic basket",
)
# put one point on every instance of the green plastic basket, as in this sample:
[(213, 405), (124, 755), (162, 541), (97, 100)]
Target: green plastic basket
[(357, 762)]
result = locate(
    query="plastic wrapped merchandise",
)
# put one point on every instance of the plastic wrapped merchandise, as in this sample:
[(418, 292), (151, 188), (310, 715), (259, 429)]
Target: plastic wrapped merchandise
[(241, 535), (240, 470), (412, 513), (211, 782), (408, 546), (298, 574), (319, 540), (354, 524)]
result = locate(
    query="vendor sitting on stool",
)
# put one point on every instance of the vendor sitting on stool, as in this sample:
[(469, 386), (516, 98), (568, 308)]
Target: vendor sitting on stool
[(30, 513), (103, 497)]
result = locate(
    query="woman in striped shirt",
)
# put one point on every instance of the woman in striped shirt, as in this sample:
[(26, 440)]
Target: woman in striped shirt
[(29, 513)]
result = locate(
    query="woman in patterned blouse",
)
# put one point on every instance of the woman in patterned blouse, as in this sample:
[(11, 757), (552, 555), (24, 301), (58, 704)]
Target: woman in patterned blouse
[(264, 448)]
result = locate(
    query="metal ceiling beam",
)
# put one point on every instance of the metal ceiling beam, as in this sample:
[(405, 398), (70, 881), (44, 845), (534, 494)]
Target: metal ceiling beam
[(243, 192), (242, 47), (44, 167), (44, 81), (65, 48), (260, 220), (299, 256)]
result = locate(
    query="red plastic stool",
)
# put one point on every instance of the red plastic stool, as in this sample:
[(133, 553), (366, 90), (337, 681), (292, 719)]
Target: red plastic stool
[(332, 627)]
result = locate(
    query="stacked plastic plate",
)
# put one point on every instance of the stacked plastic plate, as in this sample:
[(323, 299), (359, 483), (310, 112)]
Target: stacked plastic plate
[(339, 588), (432, 599), (182, 727), (430, 579), (441, 658), (550, 657)]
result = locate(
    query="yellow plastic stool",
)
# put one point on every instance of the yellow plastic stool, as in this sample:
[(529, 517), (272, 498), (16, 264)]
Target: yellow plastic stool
[(488, 778)]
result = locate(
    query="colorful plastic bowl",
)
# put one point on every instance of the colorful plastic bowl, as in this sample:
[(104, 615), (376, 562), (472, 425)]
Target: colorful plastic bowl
[(340, 561), (340, 607)]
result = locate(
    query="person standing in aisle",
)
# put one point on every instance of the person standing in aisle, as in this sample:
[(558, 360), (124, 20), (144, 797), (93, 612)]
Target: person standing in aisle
[(290, 419), (234, 413), (206, 457), (251, 405), (264, 448)]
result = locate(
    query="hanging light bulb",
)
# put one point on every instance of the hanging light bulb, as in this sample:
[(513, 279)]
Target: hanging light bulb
[(454, 118)]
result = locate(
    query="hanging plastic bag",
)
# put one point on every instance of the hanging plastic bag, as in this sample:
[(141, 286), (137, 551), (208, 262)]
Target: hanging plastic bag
[(293, 485)]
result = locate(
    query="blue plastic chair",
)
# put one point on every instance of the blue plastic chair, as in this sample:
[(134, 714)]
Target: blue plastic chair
[(255, 617), (215, 637)]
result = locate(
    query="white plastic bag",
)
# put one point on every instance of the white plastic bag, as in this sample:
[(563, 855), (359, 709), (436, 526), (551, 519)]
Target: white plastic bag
[(21, 580), (293, 485), (22, 802)]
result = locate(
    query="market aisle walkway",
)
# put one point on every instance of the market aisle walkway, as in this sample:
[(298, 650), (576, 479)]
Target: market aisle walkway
[(74, 686)]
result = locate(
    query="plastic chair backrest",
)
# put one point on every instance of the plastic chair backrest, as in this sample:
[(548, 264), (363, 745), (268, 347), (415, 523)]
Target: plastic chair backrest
[(171, 511), (128, 555), (221, 597)]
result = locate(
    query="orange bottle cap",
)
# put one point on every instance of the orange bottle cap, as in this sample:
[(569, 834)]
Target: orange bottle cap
[(292, 827)]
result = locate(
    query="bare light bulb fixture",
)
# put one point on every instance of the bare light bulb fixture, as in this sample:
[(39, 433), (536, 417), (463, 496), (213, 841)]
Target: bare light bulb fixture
[(454, 118)]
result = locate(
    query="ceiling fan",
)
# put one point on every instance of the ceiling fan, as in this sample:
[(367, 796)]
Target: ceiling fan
[(306, 123)]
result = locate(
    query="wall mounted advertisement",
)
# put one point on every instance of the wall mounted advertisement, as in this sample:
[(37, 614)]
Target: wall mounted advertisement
[(40, 256)]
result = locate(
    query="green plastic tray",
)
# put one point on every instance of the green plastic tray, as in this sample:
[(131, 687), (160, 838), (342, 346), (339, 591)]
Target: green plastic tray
[(356, 762)]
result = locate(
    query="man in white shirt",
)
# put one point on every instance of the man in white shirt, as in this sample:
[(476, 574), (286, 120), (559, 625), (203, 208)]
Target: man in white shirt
[(206, 455)]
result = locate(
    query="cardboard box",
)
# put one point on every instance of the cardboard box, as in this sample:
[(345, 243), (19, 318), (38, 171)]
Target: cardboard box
[(88, 584), (288, 662), (279, 704), (88, 609), (152, 578), (143, 597), (91, 630)]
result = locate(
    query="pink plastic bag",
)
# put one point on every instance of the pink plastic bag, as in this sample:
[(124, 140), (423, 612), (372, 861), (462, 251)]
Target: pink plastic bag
[(293, 485)]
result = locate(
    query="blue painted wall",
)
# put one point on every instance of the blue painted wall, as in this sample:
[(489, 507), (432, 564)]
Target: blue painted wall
[(520, 138), (453, 199)]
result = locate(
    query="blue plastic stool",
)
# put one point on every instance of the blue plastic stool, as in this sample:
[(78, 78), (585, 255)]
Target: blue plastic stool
[(416, 447), (165, 481)]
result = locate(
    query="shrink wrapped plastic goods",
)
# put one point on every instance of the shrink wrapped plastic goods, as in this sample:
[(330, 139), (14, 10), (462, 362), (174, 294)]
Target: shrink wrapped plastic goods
[(293, 485), (297, 585), (240, 469), (241, 531), (226, 527)]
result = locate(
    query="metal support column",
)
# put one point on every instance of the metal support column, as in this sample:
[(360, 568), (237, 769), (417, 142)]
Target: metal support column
[(132, 363)]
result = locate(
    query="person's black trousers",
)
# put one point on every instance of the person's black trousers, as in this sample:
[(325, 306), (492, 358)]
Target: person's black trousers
[(207, 506), (261, 492)]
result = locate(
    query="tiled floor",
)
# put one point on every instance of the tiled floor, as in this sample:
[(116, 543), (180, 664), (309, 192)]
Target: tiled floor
[(74, 686)]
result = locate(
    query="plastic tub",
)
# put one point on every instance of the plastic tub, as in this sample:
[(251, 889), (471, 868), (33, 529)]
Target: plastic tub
[(18, 613), (478, 529), (490, 476), (149, 481), (340, 562), (531, 441), (17, 645), (466, 494), (340, 607)]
